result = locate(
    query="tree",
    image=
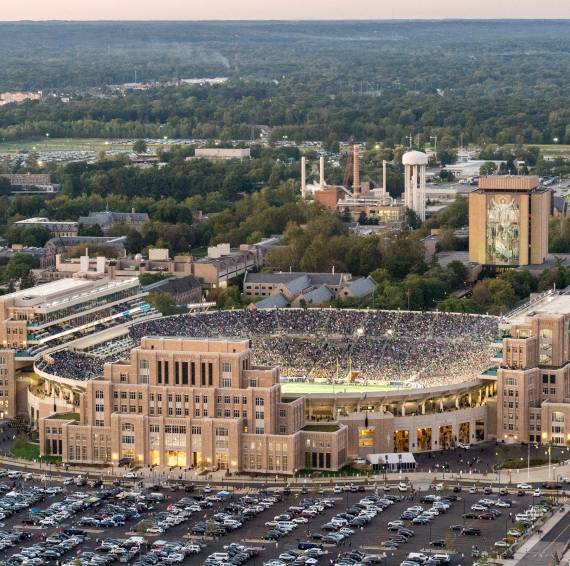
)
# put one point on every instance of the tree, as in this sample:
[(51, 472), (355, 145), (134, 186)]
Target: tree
[(448, 541), (93, 231), (28, 281), (362, 218), (446, 239), (148, 278), (144, 526), (140, 146), (488, 168), (210, 527), (94, 250), (346, 215), (164, 303), (447, 156), (412, 219)]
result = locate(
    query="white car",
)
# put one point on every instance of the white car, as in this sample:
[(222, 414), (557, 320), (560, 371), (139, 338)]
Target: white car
[(130, 475), (464, 446), (478, 508), (346, 531), (386, 487), (502, 544), (276, 562), (524, 486), (300, 520), (155, 530), (207, 489), (502, 504), (271, 524)]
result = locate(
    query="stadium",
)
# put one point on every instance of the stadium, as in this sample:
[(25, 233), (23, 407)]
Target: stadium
[(391, 380)]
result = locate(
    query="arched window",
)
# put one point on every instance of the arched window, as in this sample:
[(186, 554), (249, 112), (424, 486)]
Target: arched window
[(128, 433), (222, 438)]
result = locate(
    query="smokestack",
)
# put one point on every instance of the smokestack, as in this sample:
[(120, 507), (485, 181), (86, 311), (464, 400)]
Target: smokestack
[(303, 183), (132, 210), (384, 183), (356, 173), (322, 184)]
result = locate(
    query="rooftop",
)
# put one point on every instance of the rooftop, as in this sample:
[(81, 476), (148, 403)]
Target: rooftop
[(61, 291), (548, 305)]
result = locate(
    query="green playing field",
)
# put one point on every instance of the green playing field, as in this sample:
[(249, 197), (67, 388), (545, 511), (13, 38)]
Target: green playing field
[(339, 388)]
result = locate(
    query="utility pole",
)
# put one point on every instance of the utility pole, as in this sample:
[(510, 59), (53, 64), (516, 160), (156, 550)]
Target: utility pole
[(410, 138), (431, 138)]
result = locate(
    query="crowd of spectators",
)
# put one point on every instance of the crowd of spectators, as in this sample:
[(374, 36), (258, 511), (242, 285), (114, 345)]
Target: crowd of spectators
[(428, 349), (72, 365)]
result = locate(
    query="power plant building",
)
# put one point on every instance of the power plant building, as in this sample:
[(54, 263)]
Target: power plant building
[(508, 221)]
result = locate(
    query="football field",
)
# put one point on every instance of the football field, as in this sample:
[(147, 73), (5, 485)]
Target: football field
[(338, 388)]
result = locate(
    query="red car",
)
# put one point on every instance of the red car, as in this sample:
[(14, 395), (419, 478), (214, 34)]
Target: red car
[(488, 517), (520, 492)]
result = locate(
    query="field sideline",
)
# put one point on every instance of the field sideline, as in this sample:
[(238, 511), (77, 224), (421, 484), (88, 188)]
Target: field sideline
[(338, 388)]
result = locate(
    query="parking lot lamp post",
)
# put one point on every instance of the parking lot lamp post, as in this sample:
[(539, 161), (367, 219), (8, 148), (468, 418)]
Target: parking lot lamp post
[(429, 536), (346, 501), (463, 511)]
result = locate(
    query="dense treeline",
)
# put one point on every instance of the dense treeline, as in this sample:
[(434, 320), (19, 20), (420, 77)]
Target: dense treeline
[(230, 111), (312, 81), (470, 57)]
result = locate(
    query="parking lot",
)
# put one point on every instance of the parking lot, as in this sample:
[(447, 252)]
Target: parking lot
[(69, 508)]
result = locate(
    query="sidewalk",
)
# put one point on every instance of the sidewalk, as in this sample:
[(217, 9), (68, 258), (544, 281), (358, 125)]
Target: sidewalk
[(529, 544), (418, 480)]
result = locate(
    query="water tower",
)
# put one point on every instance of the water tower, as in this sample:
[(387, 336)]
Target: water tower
[(415, 182)]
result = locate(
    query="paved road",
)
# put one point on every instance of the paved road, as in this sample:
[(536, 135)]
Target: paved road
[(554, 541)]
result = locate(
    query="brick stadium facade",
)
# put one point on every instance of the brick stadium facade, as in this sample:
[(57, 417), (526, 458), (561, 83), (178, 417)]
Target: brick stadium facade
[(182, 402)]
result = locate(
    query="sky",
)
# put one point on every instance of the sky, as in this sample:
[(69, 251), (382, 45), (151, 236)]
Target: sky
[(282, 10)]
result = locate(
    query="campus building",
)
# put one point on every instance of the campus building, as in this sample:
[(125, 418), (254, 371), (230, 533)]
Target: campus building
[(508, 221), (62, 314), (183, 401), (533, 376)]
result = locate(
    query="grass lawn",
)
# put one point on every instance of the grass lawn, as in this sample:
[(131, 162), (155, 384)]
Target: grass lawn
[(65, 416), (199, 253), (320, 428), (304, 388), (31, 451), (345, 472)]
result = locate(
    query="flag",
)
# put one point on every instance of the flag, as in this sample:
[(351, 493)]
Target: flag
[(42, 477), (205, 516), (408, 293), (169, 508), (79, 552), (102, 516), (288, 484)]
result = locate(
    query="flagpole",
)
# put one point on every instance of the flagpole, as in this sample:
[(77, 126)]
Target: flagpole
[(408, 299)]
